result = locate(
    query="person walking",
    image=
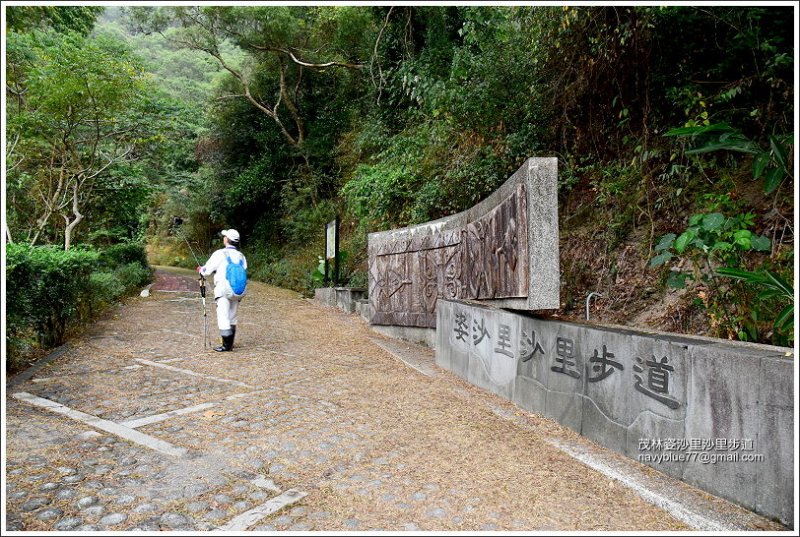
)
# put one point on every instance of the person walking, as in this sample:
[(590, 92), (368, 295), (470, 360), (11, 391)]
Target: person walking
[(229, 266)]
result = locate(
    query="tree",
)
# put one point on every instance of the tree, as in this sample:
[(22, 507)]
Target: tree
[(78, 107), (281, 42), (80, 19)]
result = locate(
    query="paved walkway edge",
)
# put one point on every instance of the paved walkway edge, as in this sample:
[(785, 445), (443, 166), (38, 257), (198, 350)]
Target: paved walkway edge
[(32, 370), (678, 509)]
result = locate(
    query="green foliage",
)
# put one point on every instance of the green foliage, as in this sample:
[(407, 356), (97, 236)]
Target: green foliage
[(79, 19), (711, 238), (731, 64), (133, 275), (45, 289), (116, 281), (714, 233), (715, 244), (377, 192), (305, 222), (121, 254), (105, 288), (78, 108), (320, 277), (51, 291), (773, 287), (320, 274), (286, 272), (772, 163), (118, 206)]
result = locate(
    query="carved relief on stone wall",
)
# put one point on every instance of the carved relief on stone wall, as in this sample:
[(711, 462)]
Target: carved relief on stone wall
[(485, 259)]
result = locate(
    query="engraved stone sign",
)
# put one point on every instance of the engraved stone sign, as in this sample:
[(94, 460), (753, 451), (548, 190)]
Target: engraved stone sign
[(715, 413), (503, 251)]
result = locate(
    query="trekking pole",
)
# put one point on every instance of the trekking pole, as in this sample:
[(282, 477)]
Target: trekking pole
[(201, 281), (191, 250)]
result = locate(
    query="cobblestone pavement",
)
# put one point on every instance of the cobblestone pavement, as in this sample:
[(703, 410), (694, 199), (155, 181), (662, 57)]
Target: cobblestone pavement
[(309, 424)]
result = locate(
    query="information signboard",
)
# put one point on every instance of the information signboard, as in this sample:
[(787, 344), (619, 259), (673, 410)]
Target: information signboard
[(332, 252)]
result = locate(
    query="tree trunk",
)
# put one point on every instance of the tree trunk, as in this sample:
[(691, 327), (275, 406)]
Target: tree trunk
[(78, 217)]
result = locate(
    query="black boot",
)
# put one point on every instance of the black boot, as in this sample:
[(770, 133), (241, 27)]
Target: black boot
[(232, 336), (227, 344)]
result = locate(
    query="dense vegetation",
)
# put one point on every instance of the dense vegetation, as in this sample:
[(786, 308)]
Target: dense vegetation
[(79, 117), (673, 128), (52, 292)]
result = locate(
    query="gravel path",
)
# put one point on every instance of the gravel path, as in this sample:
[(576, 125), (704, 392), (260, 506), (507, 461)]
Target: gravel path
[(308, 401)]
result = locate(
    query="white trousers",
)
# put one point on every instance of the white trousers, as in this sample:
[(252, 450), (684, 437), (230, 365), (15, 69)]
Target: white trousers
[(227, 309)]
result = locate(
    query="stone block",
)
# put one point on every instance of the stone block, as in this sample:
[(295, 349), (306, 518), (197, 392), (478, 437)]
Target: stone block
[(533, 367), (566, 377), (325, 295), (492, 356), (775, 440), (362, 308), (723, 403), (346, 297), (422, 336), (453, 340)]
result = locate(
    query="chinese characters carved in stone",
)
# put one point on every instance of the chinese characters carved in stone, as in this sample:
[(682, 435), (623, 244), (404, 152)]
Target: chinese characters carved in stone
[(651, 377)]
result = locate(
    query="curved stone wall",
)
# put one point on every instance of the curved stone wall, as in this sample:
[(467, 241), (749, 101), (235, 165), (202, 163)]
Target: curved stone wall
[(503, 251)]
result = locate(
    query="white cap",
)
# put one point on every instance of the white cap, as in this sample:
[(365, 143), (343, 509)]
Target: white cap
[(232, 234)]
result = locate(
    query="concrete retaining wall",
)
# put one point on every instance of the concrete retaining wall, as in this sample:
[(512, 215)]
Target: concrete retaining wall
[(344, 298), (716, 414), (325, 295), (414, 334)]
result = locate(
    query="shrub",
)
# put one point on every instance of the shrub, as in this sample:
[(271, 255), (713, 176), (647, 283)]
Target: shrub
[(131, 276), (287, 273), (46, 288), (105, 288), (122, 254), (50, 290)]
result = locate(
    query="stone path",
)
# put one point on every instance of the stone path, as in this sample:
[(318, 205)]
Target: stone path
[(312, 423)]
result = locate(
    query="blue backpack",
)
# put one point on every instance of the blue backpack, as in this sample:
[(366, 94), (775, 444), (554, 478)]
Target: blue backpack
[(236, 275)]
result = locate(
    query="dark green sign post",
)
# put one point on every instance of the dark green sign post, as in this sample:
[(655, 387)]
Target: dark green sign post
[(332, 252)]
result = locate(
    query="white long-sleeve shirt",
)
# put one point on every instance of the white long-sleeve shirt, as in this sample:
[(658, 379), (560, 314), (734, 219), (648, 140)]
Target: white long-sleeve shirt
[(217, 265)]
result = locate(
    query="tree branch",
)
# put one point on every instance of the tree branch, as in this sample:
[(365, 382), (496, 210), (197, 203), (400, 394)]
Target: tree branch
[(298, 121), (379, 86), (288, 52), (78, 217), (233, 96), (300, 62)]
